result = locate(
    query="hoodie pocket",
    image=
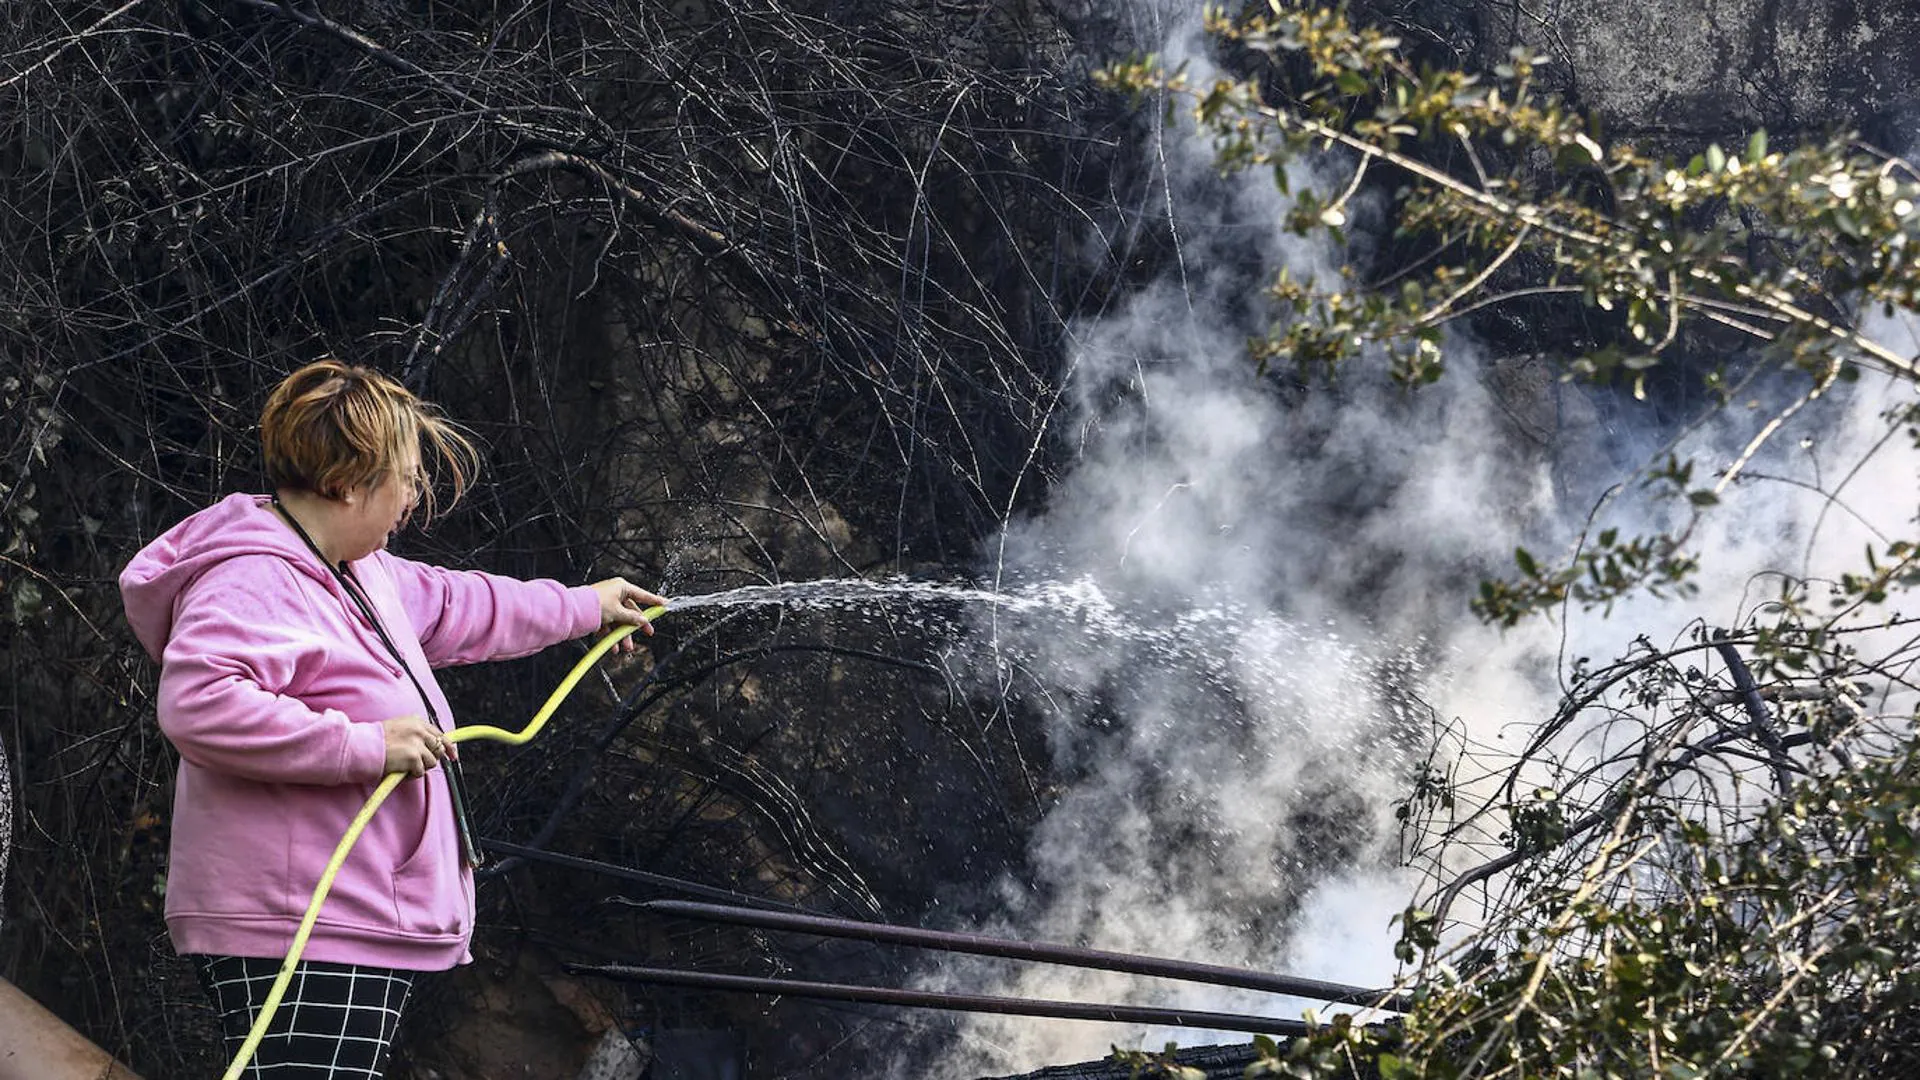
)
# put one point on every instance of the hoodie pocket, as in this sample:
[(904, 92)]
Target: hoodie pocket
[(428, 895), (361, 896)]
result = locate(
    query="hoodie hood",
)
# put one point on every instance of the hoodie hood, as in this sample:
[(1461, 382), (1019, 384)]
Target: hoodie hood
[(237, 525)]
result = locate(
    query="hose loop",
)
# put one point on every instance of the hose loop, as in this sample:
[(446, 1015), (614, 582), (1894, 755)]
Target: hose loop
[(380, 793)]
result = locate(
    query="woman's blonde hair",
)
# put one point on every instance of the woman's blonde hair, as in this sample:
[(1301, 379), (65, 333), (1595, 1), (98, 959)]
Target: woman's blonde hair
[(331, 427)]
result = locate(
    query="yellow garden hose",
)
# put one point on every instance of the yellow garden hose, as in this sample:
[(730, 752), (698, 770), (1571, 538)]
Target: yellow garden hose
[(387, 784)]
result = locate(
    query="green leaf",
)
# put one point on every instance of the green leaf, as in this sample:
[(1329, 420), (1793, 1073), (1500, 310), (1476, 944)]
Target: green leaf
[(1524, 559)]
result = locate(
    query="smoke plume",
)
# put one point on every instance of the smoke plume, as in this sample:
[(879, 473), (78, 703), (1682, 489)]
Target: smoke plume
[(1285, 575)]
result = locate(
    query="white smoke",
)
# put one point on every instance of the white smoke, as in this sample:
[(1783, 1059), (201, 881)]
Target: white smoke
[(1296, 569)]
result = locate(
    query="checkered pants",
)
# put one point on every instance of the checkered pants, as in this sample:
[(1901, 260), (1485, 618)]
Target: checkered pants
[(335, 1020)]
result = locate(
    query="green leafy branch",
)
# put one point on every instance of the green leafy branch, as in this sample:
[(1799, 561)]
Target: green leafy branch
[(1517, 197)]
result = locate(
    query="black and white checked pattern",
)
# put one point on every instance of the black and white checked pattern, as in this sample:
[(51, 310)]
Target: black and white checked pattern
[(335, 1020)]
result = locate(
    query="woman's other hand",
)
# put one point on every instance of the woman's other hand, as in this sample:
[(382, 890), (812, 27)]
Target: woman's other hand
[(621, 604), (414, 746)]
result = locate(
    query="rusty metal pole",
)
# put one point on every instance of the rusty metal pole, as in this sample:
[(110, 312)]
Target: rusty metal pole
[(927, 999), (982, 945)]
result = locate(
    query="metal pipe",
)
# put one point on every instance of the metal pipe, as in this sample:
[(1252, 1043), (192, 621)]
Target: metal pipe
[(1760, 722), (927, 999), (982, 945), (626, 873), (1744, 685)]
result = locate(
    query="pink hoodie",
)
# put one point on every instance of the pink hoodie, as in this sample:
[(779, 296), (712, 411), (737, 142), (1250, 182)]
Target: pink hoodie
[(272, 686)]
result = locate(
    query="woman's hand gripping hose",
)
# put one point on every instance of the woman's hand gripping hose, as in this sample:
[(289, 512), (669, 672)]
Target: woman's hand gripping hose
[(380, 793)]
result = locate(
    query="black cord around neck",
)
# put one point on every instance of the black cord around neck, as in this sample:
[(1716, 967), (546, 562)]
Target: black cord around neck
[(303, 533), (350, 584)]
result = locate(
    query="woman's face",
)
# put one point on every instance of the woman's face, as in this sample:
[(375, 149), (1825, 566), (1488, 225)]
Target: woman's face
[(380, 509)]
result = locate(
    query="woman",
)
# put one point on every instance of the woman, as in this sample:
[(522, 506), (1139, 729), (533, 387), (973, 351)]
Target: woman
[(296, 661)]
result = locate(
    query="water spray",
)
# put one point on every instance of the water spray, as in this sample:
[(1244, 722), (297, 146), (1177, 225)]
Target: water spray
[(1078, 598)]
